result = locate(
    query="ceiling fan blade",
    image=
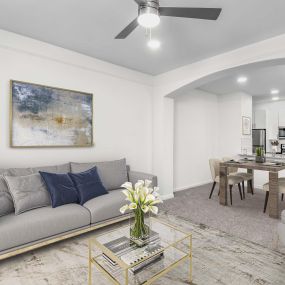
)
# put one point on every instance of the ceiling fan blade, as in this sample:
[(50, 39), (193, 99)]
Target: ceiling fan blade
[(128, 29), (196, 13)]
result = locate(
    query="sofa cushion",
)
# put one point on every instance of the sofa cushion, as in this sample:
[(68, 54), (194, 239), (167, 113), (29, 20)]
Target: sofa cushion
[(61, 168), (106, 207), (6, 201), (112, 173), (41, 223), (61, 188), (28, 192), (88, 184)]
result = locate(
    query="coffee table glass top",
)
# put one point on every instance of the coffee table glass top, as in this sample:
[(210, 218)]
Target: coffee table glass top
[(170, 247)]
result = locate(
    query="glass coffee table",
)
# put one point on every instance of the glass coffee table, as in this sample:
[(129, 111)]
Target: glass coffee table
[(123, 262)]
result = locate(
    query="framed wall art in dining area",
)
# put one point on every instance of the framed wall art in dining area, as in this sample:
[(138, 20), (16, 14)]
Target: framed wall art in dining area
[(44, 116), (246, 125)]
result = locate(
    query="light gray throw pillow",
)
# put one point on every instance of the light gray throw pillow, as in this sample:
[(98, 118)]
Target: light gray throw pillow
[(6, 202), (112, 173), (28, 192), (60, 169)]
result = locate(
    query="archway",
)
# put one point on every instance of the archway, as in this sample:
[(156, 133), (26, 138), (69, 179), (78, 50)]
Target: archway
[(171, 84)]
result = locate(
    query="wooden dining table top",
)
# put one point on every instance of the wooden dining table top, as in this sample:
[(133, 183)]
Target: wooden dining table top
[(250, 164)]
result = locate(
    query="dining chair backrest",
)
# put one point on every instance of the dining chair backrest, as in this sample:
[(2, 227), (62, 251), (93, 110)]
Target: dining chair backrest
[(215, 167), (230, 169)]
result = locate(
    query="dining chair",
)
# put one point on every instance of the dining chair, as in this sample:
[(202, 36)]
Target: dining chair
[(248, 177), (281, 189), (232, 179)]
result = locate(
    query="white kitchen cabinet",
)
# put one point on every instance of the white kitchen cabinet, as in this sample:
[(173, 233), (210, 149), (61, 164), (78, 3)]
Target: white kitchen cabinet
[(259, 119)]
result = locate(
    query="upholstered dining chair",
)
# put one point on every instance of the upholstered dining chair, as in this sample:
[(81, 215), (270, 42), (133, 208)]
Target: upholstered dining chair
[(281, 188), (232, 179), (248, 177)]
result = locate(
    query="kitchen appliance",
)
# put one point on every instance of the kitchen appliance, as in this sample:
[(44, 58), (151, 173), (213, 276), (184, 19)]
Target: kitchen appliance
[(281, 132), (258, 139), (283, 148)]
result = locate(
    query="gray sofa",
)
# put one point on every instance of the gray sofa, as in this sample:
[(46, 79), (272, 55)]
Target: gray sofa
[(43, 226), (281, 230)]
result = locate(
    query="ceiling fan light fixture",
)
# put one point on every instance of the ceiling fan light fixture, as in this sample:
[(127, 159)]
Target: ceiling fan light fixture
[(148, 17)]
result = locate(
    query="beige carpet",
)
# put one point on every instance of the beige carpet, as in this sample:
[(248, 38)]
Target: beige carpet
[(219, 258), (245, 219)]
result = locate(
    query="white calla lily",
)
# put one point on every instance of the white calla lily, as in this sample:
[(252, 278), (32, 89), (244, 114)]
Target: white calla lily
[(153, 209), (144, 192), (126, 193), (124, 209), (149, 198), (128, 186), (157, 201), (136, 197), (147, 183), (145, 208), (139, 184), (133, 206)]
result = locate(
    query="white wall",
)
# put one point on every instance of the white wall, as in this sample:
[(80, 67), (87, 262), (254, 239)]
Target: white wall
[(232, 107), (229, 132), (207, 126), (195, 138), (122, 103)]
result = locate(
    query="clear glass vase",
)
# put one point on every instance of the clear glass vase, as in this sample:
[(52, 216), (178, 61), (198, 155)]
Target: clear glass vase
[(139, 227)]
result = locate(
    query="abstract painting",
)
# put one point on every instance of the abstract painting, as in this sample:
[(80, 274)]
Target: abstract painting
[(43, 116)]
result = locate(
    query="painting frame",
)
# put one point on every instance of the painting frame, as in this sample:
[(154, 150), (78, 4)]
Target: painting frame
[(11, 117), (246, 126)]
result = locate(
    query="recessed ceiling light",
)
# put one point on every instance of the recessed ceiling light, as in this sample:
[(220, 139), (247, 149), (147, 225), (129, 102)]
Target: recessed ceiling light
[(154, 44), (275, 98), (274, 91), (242, 79)]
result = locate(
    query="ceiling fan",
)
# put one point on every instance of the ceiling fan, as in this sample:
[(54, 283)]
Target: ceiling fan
[(149, 12)]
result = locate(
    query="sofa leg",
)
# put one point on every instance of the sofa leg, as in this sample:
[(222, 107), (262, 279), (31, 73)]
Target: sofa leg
[(282, 197), (213, 187), (266, 200), (243, 192)]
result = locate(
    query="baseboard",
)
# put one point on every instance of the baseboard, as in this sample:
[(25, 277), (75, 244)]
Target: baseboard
[(260, 187), (193, 185), (166, 197)]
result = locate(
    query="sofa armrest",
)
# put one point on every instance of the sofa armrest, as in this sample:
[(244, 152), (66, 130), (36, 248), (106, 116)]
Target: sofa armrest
[(134, 176)]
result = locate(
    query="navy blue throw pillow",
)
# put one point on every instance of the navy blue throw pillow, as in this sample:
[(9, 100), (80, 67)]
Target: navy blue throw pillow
[(61, 188), (88, 184)]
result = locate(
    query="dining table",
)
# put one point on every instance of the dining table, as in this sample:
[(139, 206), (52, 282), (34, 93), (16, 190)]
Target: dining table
[(272, 168)]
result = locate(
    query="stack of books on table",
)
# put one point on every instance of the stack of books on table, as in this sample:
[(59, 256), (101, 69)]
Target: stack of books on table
[(130, 253)]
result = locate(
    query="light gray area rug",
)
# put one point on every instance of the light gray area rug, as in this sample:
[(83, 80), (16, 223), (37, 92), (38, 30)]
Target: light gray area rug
[(244, 219), (219, 258)]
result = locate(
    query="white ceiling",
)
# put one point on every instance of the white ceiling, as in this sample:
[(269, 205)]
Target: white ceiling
[(89, 27), (259, 84)]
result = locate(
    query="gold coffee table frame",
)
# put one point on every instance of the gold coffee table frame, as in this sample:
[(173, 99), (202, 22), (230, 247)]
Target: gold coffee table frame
[(172, 238)]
